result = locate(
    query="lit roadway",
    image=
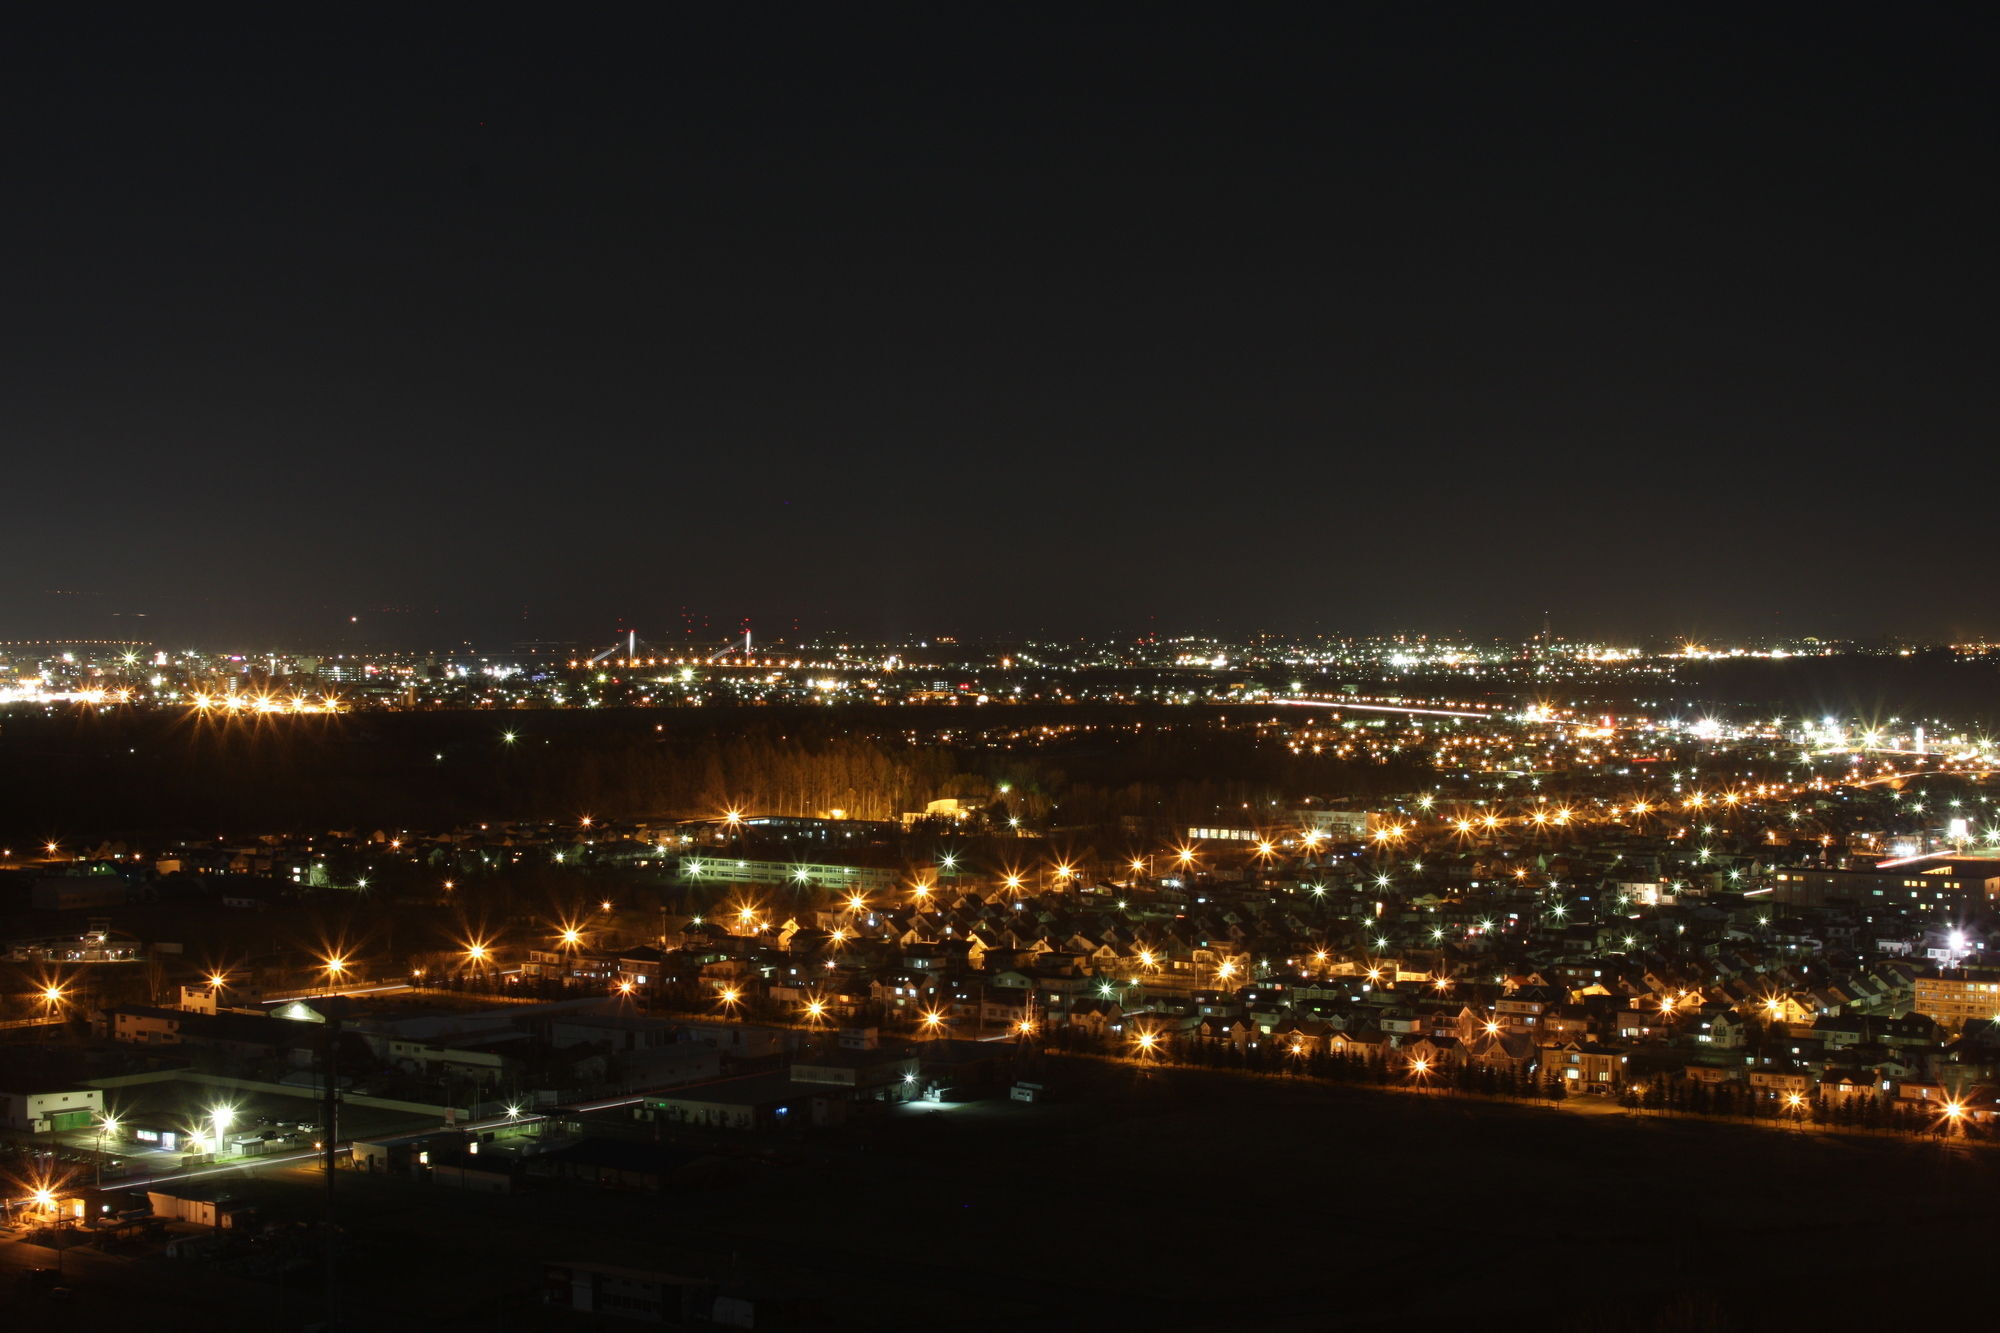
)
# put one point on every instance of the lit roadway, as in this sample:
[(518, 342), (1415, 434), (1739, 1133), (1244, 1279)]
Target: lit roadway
[(1344, 705), (1924, 773)]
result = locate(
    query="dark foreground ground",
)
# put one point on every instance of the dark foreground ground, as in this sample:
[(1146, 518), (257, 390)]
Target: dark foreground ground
[(1174, 1200)]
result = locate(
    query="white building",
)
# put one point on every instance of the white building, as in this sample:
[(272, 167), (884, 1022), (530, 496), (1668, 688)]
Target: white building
[(42, 1112)]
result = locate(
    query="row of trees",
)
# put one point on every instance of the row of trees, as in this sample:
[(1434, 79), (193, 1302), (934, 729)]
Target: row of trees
[(143, 772), (1663, 1093), (1877, 1111)]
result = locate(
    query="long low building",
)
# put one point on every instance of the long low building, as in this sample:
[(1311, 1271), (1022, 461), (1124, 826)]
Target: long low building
[(842, 876), (42, 1112), (752, 1102), (1940, 883)]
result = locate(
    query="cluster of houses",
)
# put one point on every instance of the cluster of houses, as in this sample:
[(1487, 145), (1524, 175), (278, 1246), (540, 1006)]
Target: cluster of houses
[(1610, 979)]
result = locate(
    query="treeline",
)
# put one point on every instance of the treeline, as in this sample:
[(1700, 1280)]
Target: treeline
[(1730, 1099), (89, 774), (1661, 1094)]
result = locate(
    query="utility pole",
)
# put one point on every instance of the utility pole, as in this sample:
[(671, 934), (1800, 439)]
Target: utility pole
[(330, 1115)]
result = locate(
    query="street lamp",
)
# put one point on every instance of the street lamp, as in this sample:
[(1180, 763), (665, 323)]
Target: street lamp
[(106, 1125)]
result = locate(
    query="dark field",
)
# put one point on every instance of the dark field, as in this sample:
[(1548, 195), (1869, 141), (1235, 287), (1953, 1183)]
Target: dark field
[(1177, 1200)]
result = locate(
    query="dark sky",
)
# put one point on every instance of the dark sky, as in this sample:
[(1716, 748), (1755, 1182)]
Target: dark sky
[(1346, 318)]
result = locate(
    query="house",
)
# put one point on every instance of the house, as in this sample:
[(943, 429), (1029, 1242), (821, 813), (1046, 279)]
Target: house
[(1781, 1083), (1361, 1044), (1847, 1086), (1726, 1031), (1297, 1037), (1099, 1018), (1433, 1054), (1237, 1032), (1507, 1052), (1585, 1066), (1526, 1008)]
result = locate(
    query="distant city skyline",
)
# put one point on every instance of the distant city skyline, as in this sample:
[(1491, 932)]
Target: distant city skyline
[(186, 621)]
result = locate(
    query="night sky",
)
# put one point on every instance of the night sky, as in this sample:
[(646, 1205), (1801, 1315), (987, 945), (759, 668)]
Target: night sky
[(946, 319)]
